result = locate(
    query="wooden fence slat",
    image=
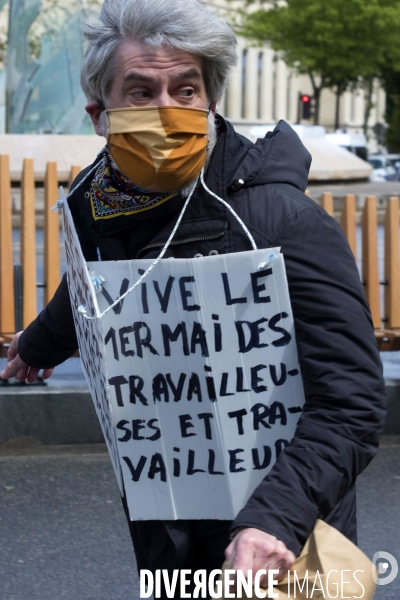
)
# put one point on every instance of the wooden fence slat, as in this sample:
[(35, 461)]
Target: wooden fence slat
[(327, 203), (348, 222), (370, 272), (75, 170), (307, 193), (7, 307), (51, 233), (392, 264), (28, 243)]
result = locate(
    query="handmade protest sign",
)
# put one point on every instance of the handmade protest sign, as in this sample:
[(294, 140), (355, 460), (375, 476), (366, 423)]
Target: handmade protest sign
[(89, 334), (202, 377)]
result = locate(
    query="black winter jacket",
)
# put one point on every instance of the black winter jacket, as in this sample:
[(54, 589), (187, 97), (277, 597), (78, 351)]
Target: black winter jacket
[(338, 432)]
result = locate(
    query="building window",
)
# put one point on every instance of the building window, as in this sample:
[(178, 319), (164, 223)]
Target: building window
[(289, 96), (274, 87), (260, 60), (354, 95)]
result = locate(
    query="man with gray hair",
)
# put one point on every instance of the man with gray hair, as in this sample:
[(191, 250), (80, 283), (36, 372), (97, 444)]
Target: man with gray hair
[(153, 74)]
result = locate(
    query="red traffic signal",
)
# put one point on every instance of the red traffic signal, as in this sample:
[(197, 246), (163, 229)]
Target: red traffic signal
[(305, 102)]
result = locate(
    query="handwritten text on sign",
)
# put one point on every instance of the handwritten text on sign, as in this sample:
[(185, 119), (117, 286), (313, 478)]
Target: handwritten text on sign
[(203, 378), (89, 334)]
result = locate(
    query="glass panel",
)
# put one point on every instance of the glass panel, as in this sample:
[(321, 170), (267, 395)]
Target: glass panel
[(43, 89)]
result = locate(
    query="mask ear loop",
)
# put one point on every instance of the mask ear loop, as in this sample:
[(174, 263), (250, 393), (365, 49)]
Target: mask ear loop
[(82, 309)]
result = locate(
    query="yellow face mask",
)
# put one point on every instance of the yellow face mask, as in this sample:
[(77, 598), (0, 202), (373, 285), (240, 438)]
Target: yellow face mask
[(161, 147)]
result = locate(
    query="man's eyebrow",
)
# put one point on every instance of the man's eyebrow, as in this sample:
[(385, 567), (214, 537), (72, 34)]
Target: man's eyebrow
[(134, 76), (188, 74)]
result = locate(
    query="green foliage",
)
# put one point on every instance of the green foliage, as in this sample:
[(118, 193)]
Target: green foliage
[(340, 38), (391, 80), (337, 41)]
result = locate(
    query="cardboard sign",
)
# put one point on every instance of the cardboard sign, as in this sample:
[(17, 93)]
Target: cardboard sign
[(202, 376), (90, 337)]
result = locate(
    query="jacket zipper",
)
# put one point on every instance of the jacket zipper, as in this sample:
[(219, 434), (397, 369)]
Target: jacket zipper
[(185, 241)]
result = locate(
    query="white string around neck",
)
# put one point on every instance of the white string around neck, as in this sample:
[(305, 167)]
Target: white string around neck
[(82, 309), (229, 207)]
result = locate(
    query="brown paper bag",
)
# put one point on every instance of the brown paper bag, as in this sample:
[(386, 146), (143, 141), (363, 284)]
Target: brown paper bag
[(332, 562)]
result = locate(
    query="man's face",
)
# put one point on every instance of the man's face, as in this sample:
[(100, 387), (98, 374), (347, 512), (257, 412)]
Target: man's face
[(153, 77)]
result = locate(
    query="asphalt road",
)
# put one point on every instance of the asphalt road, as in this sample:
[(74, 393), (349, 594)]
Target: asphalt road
[(63, 531), (64, 536)]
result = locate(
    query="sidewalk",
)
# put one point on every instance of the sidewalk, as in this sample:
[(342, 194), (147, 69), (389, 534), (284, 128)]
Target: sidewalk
[(62, 412), (64, 534), (59, 413)]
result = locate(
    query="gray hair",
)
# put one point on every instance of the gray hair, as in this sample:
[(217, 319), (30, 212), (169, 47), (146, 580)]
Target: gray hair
[(183, 24)]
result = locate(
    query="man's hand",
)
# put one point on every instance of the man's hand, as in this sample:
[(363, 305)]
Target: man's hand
[(254, 549), (17, 368)]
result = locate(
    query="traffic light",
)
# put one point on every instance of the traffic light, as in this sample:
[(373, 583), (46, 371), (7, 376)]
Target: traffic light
[(304, 106)]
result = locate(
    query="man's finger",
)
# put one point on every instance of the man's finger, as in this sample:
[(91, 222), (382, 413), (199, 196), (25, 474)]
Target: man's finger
[(32, 375), (285, 559), (282, 563), (19, 369), (13, 347), (22, 373), (47, 373), (230, 550), (256, 550), (243, 555), (11, 369)]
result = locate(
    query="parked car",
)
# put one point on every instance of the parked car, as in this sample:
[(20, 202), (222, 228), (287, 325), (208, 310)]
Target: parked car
[(383, 169), (394, 160)]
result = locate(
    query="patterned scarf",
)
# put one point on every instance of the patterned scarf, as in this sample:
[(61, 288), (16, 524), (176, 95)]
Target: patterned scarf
[(112, 194)]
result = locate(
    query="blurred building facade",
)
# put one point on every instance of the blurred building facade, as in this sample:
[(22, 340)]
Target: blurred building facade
[(40, 91)]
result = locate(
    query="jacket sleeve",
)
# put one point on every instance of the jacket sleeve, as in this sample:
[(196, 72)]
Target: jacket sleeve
[(50, 339), (339, 429)]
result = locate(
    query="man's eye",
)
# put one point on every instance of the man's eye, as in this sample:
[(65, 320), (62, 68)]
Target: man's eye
[(141, 95), (187, 92)]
